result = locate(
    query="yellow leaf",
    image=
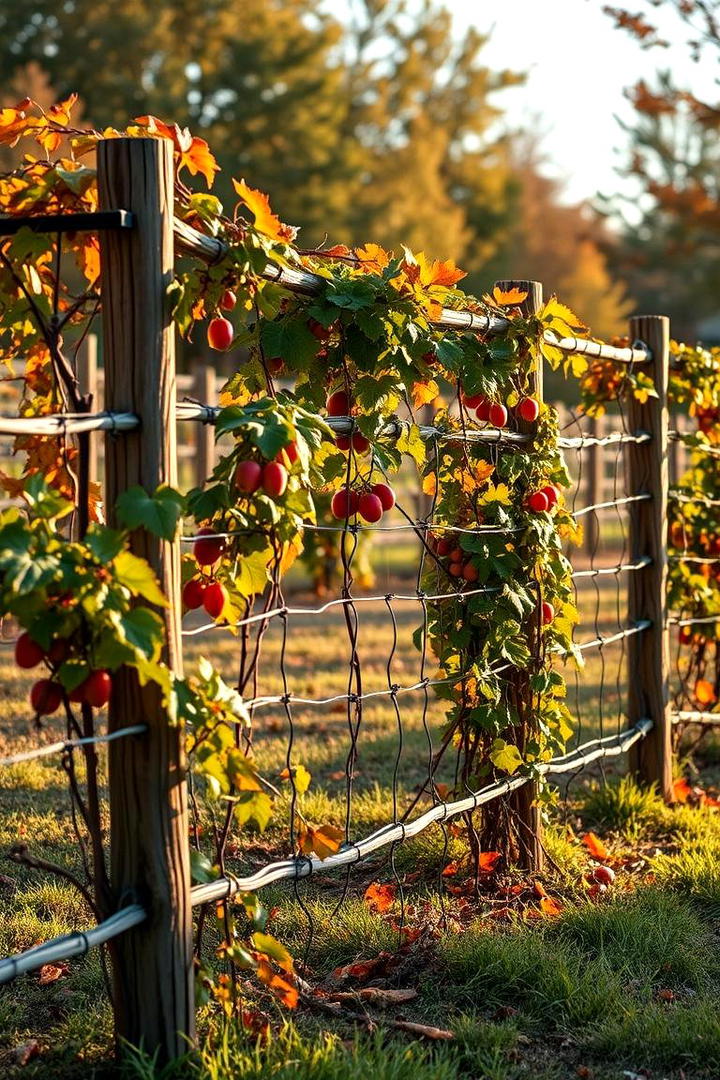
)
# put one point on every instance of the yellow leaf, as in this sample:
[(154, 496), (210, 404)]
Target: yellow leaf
[(558, 317), (499, 494), (705, 692), (429, 484), (424, 393)]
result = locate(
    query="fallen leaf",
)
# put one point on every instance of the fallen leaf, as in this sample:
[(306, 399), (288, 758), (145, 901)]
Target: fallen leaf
[(50, 973), (423, 1029), (375, 996), (595, 845), (26, 1052), (681, 790), (487, 861), (380, 897), (364, 969), (666, 995)]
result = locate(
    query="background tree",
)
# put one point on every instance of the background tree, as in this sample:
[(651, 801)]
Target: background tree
[(671, 250)]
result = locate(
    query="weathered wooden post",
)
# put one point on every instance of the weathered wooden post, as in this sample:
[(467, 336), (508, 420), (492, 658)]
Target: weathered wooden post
[(148, 793), (523, 802), (648, 653), (87, 372), (595, 486)]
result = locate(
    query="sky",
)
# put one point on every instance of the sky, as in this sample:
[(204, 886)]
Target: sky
[(578, 65)]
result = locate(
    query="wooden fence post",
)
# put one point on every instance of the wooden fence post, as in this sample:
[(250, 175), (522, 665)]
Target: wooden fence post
[(205, 391), (153, 976), (87, 372), (648, 653), (523, 802)]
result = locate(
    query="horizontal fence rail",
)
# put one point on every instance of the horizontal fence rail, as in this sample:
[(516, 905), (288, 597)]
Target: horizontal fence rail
[(637, 354)]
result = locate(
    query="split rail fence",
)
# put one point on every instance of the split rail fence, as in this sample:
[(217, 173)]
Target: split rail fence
[(150, 934)]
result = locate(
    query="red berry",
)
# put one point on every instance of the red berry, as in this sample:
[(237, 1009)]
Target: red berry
[(385, 494), (58, 651), (685, 635), (370, 507), (528, 409), (274, 479), (342, 442), (604, 875), (45, 697), (498, 415), (359, 443), (338, 404), (220, 334), (457, 555), (192, 593), (28, 653), (322, 333), (547, 612), (538, 502), (214, 598), (97, 688), (445, 545), (472, 401), (344, 504), (552, 493), (208, 548), (274, 365), (470, 572), (248, 476), (455, 569), (228, 300), (483, 410)]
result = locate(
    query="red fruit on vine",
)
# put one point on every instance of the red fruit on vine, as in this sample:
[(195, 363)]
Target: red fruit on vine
[(457, 555), (528, 409), (58, 651), (552, 493), (338, 404), (214, 598), (385, 494), (228, 300), (470, 572), (483, 410), (471, 401), (685, 635), (275, 364), (455, 569), (28, 653), (547, 612), (192, 594), (45, 697), (445, 545), (370, 507), (97, 688), (604, 875), (360, 444), (538, 502), (498, 415), (208, 548), (343, 443), (220, 334), (274, 479), (248, 476), (344, 504), (322, 333)]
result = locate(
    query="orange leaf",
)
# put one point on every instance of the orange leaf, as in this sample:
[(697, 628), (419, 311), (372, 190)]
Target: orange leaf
[(681, 790), (434, 272), (198, 158), (373, 258), (595, 846), (451, 869), (424, 393), (326, 840), (487, 861), (550, 906), (259, 206), (380, 897), (539, 889), (705, 692), (508, 297), (429, 484), (283, 990), (50, 973)]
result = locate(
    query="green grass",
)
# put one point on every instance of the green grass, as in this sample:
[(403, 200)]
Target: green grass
[(523, 998)]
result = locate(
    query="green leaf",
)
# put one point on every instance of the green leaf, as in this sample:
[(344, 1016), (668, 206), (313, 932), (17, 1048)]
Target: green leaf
[(143, 631), (290, 339), (201, 869), (158, 513), (137, 576), (105, 544), (44, 500), (505, 756)]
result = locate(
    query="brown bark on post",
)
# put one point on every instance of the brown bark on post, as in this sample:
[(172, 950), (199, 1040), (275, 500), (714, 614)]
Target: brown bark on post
[(523, 802), (648, 653), (88, 378), (205, 391), (595, 485), (148, 795)]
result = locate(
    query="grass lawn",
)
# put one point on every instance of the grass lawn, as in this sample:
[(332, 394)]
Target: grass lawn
[(625, 983)]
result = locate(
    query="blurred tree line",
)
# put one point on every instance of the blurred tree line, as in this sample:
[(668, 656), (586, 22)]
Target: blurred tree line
[(385, 125)]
